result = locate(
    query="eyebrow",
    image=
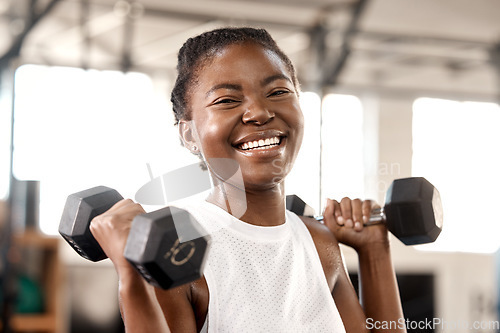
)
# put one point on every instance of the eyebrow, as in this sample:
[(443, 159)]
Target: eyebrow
[(238, 87), (275, 77), (224, 86)]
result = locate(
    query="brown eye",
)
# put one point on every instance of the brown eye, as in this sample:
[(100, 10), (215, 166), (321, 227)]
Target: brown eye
[(279, 93), (225, 101)]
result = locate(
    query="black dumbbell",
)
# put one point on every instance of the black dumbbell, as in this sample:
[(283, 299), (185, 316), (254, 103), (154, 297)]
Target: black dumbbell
[(412, 210), (168, 247)]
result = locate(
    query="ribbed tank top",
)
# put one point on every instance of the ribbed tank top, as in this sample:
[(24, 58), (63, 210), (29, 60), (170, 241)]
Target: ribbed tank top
[(264, 279)]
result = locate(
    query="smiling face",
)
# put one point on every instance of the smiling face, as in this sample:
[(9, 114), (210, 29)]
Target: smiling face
[(244, 106)]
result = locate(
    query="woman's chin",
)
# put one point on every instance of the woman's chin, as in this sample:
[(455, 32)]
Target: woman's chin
[(264, 183)]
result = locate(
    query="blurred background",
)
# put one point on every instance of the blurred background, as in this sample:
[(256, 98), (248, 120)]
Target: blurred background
[(390, 89)]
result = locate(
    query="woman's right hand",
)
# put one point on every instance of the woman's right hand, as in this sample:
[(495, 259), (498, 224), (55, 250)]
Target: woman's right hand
[(111, 230)]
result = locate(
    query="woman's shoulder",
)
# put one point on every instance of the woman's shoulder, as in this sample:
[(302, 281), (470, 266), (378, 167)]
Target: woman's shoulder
[(327, 247), (319, 232)]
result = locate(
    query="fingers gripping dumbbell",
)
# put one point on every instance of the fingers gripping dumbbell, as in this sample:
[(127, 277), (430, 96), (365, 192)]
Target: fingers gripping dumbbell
[(412, 210), (156, 246)]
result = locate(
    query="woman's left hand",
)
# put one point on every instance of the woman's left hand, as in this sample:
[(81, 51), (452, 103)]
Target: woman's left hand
[(346, 220)]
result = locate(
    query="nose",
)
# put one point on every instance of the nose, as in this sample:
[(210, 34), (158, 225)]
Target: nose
[(257, 113)]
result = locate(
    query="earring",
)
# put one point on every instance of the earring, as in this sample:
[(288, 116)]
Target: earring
[(194, 148)]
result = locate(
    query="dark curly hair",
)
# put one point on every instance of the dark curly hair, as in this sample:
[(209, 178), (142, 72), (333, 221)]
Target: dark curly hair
[(198, 50)]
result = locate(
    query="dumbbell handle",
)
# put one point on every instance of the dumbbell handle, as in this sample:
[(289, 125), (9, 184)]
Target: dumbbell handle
[(377, 216)]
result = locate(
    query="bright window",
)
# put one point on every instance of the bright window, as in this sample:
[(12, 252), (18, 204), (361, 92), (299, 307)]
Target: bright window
[(456, 147), (343, 168), (5, 114), (341, 145), (304, 178), (76, 129)]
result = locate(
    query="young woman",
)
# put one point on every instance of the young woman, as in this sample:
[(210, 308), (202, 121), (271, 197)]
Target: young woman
[(237, 98)]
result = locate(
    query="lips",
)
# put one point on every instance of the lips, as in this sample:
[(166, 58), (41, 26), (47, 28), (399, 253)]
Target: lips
[(260, 140), (261, 144)]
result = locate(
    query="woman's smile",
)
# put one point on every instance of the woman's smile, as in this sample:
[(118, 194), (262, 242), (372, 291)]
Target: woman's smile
[(262, 144)]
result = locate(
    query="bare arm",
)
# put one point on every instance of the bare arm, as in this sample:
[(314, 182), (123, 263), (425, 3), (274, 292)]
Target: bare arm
[(178, 309), (139, 307), (379, 291), (350, 310), (378, 288), (343, 292)]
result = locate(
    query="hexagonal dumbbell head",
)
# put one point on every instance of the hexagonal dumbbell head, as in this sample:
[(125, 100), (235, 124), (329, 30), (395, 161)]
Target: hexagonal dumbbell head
[(168, 247), (298, 206), (78, 212), (413, 210)]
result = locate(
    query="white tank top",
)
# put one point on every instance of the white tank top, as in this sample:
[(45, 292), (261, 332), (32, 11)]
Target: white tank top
[(264, 279)]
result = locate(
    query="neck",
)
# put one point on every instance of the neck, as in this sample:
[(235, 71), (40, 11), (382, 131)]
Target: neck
[(257, 207)]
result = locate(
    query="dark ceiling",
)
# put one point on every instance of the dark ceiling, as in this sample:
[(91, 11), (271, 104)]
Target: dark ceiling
[(434, 46)]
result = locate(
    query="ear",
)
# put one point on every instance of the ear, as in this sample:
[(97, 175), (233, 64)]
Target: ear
[(189, 137)]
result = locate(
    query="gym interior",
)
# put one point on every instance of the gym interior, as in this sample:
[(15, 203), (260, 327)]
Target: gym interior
[(390, 89)]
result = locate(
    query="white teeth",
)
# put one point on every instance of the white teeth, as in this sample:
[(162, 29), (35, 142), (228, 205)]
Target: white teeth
[(262, 143)]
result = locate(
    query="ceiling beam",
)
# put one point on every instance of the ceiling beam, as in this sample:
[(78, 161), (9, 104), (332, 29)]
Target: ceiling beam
[(421, 39), (15, 47), (345, 48)]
